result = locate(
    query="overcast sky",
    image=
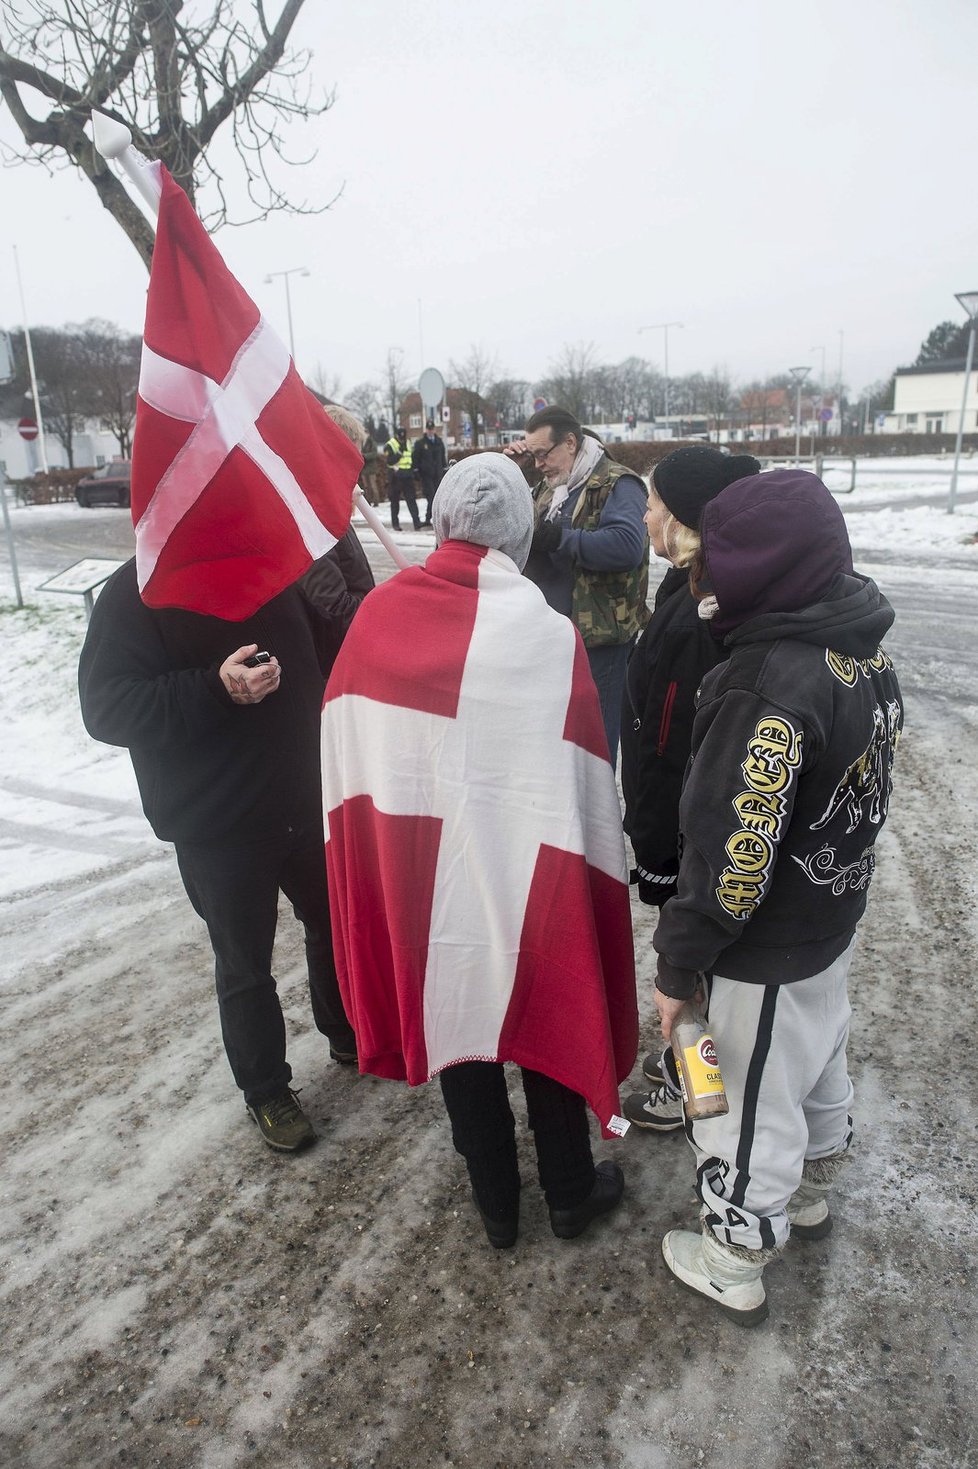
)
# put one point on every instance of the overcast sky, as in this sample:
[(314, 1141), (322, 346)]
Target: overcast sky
[(535, 174)]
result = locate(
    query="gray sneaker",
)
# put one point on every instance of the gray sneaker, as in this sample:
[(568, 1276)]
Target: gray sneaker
[(661, 1110), (282, 1123), (652, 1068)]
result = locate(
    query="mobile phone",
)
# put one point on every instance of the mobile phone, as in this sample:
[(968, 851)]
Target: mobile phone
[(257, 659)]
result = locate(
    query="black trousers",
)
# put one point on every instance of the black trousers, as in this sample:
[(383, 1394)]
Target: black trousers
[(429, 485), (234, 887), (484, 1132), (402, 487)]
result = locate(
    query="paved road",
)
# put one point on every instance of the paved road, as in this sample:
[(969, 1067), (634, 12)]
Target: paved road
[(174, 1295)]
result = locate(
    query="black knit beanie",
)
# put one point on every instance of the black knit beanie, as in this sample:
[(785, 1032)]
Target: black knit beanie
[(689, 478)]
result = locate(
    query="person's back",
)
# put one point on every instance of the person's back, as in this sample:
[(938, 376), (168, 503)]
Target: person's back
[(475, 853)]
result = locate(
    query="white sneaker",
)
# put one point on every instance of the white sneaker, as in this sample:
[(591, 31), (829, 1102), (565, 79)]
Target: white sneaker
[(702, 1264), (808, 1211), (660, 1110)]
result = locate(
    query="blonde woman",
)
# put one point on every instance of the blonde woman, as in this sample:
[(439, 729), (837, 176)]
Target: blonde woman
[(671, 657)]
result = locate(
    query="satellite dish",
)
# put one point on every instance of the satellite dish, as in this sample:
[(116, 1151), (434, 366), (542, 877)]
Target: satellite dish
[(431, 386)]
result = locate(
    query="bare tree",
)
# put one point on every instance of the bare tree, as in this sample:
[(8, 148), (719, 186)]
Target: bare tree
[(175, 79), (473, 378), (511, 399), (111, 365), (397, 384), (569, 381), (328, 385), (63, 383)]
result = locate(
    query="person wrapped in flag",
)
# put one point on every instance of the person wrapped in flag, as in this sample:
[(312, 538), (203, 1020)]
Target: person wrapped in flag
[(476, 863)]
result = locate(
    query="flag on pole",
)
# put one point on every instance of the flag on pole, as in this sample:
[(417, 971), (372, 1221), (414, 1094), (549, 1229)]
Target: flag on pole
[(477, 875), (240, 479)]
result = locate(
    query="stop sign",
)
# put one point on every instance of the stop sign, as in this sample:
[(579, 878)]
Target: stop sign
[(27, 428)]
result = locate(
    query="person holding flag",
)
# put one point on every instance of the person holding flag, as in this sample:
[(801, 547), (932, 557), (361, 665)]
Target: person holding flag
[(206, 660)]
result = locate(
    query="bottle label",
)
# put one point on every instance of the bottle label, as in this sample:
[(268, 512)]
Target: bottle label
[(700, 1064)]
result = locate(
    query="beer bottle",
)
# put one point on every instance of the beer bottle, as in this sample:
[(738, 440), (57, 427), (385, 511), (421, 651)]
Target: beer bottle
[(696, 1062)]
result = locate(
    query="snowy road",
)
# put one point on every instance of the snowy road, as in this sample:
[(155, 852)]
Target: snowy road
[(172, 1294)]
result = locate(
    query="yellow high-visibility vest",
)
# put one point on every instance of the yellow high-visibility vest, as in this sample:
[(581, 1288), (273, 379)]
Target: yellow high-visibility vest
[(403, 460)]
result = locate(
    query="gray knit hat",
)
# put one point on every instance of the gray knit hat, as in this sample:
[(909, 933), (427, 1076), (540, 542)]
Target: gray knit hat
[(486, 500)]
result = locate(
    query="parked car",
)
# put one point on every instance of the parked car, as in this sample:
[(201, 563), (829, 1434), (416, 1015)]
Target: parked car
[(106, 486)]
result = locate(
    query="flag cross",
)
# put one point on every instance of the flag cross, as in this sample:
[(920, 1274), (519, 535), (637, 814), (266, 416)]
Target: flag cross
[(489, 845), (225, 417)]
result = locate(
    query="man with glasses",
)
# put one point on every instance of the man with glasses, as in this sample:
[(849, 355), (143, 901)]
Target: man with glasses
[(590, 551)]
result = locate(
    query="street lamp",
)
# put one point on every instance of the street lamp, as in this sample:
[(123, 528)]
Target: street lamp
[(798, 376), (969, 301), (821, 389), (296, 270), (663, 326)]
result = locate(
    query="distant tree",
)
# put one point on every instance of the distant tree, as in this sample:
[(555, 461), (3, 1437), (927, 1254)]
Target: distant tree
[(472, 378), (511, 399), (948, 340), (174, 78), (570, 380), (111, 365), (327, 384), (364, 401), (396, 384), (63, 383)]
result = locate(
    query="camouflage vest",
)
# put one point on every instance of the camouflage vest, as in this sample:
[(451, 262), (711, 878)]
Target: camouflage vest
[(608, 606)]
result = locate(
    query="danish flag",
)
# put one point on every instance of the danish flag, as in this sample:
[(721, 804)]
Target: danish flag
[(240, 479), (476, 863)]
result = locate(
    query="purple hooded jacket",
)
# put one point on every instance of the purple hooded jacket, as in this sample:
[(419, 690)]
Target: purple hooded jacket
[(792, 750)]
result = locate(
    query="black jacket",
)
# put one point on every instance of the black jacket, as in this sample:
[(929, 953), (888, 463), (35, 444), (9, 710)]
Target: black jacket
[(786, 794), (428, 459), (659, 702), (208, 769)]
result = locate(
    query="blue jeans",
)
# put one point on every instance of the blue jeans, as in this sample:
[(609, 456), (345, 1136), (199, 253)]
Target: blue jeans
[(608, 671)]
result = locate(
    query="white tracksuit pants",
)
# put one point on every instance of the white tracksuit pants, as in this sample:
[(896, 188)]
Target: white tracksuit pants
[(782, 1052)]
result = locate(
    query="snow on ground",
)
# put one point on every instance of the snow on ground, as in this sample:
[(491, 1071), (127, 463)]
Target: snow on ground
[(172, 1294)]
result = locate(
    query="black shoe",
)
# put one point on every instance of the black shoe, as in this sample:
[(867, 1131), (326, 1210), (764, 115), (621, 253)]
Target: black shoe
[(501, 1232), (417, 525), (282, 1123), (605, 1195), (394, 527), (344, 1055)]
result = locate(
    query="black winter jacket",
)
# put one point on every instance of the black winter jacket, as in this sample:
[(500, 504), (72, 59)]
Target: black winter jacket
[(208, 769), (786, 794), (659, 702)]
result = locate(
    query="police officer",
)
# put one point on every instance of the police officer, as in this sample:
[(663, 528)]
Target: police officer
[(401, 483)]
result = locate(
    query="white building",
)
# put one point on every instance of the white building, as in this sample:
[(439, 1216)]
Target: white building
[(19, 457), (927, 400)]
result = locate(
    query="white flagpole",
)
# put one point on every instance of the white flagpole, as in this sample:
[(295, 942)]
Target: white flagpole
[(114, 141), (380, 530)]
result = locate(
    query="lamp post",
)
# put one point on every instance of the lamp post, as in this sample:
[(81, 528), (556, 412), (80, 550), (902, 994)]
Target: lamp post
[(663, 326), (798, 376), (38, 416), (296, 270), (969, 301), (821, 387)]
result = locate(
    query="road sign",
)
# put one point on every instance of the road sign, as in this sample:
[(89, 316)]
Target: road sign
[(825, 414), (27, 428), (431, 386), (539, 404)]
